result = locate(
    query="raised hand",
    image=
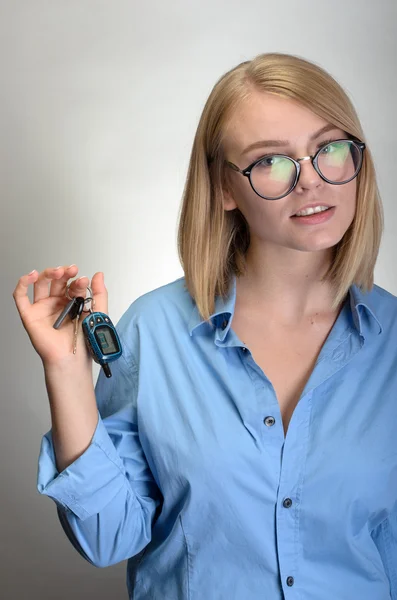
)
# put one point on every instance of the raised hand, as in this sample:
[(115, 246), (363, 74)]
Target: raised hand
[(49, 299)]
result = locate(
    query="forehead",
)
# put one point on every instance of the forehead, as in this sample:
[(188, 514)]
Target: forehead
[(266, 116)]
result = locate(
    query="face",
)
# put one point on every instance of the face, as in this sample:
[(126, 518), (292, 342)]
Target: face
[(265, 117)]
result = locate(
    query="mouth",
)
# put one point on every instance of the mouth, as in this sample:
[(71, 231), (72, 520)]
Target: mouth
[(324, 208), (316, 217)]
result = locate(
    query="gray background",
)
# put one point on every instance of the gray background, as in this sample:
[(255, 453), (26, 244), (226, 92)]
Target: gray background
[(98, 108)]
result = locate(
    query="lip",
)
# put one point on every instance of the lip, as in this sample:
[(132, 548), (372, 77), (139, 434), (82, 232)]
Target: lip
[(315, 218), (312, 205)]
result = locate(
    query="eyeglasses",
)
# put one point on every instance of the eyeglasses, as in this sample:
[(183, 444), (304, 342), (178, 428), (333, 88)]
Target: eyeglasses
[(274, 176)]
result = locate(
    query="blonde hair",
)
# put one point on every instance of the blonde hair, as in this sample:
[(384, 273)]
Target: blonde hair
[(212, 242)]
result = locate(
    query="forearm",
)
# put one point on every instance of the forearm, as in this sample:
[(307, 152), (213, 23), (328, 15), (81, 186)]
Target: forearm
[(74, 413), (106, 501), (120, 530)]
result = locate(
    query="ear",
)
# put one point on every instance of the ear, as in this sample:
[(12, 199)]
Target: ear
[(229, 202)]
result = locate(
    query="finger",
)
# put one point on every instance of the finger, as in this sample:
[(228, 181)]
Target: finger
[(40, 288), (58, 286), (20, 293), (78, 287), (99, 292)]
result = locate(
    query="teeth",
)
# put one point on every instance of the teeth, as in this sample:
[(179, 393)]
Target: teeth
[(311, 211)]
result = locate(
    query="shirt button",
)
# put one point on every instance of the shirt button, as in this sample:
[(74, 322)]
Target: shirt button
[(290, 581), (269, 421), (224, 324), (287, 503)]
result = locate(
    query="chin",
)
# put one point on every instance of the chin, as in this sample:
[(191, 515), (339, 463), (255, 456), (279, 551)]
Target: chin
[(320, 240), (317, 245)]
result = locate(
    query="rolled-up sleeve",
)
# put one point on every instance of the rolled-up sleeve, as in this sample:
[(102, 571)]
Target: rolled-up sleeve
[(107, 498), (385, 538)]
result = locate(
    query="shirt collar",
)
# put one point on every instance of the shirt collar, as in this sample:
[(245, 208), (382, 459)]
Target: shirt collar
[(221, 317), (364, 321)]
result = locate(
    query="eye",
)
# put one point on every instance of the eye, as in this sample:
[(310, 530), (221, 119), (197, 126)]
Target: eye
[(269, 161), (331, 146)]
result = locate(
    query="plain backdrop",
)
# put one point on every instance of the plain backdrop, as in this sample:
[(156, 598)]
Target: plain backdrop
[(99, 104)]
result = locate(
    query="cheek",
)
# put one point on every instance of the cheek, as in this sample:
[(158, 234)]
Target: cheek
[(266, 218), (256, 210), (345, 200)]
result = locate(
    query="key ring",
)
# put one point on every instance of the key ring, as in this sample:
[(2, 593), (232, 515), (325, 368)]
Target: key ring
[(90, 297)]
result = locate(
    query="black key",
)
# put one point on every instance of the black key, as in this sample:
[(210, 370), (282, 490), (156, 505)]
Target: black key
[(77, 308), (64, 313), (74, 314)]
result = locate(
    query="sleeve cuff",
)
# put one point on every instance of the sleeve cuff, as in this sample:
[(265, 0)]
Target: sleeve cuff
[(87, 485)]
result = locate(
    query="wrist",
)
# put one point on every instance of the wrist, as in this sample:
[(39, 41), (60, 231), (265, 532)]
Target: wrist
[(72, 365)]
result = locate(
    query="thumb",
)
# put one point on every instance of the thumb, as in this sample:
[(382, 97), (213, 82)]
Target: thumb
[(99, 293)]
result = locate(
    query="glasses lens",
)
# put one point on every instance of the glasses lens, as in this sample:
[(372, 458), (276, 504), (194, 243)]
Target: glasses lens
[(339, 161), (273, 176)]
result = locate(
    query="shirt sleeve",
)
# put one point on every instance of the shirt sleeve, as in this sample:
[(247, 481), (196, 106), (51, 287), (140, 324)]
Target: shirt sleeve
[(107, 498), (385, 538)]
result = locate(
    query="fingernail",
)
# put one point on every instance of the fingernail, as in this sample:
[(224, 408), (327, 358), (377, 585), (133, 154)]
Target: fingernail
[(31, 272), (78, 279), (56, 268), (73, 265)]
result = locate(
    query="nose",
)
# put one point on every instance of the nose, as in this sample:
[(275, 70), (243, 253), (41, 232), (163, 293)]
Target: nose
[(309, 179)]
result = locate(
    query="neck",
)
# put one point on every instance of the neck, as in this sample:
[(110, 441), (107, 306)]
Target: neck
[(286, 283)]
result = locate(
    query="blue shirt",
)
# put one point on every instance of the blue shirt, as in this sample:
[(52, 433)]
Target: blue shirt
[(189, 474)]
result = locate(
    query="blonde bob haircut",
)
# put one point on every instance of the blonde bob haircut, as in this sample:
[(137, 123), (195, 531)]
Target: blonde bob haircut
[(212, 242)]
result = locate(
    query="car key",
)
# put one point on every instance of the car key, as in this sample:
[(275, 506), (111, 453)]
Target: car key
[(64, 313), (74, 314), (100, 334), (101, 338)]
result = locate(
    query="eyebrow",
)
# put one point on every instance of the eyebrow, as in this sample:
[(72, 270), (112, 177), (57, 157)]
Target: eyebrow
[(278, 143)]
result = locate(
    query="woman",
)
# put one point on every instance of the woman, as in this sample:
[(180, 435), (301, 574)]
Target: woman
[(245, 446)]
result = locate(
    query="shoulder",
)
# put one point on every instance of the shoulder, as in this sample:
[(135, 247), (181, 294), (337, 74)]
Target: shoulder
[(384, 305), (172, 296), (384, 298), (168, 307)]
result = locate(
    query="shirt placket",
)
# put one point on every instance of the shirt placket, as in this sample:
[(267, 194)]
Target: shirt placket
[(288, 453)]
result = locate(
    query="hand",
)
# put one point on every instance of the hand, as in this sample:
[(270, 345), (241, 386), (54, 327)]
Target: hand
[(56, 345)]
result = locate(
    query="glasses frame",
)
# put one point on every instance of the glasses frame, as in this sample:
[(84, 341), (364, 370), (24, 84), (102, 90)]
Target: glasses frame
[(314, 160)]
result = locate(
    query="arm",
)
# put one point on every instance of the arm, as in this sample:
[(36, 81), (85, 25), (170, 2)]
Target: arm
[(91, 462), (106, 497), (385, 538), (74, 413)]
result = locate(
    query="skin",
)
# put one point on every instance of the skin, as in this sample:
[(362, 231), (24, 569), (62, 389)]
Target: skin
[(285, 260), (49, 286), (68, 376)]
